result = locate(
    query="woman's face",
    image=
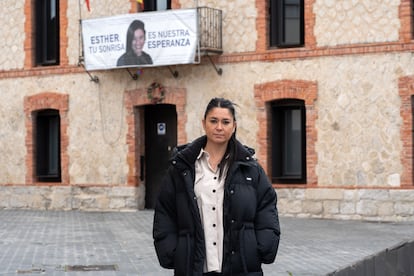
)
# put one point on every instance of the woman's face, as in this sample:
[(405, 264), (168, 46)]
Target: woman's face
[(138, 41), (219, 125)]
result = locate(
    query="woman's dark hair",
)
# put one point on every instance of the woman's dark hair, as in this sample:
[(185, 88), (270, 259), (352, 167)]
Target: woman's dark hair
[(135, 25), (223, 103), (230, 154)]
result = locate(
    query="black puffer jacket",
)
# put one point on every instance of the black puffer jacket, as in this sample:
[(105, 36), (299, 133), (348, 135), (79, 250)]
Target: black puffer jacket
[(251, 224)]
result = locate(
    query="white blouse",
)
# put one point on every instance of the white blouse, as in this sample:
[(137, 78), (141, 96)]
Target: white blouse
[(209, 190)]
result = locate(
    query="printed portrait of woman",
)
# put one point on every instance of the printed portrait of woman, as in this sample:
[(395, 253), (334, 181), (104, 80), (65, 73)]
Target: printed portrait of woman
[(134, 54)]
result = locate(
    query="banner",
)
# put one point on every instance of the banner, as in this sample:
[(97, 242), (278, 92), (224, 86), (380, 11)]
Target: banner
[(145, 39)]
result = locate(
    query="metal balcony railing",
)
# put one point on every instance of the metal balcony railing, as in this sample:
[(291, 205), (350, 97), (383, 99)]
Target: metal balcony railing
[(210, 30)]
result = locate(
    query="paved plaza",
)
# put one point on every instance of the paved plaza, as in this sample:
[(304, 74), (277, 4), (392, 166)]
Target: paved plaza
[(120, 243)]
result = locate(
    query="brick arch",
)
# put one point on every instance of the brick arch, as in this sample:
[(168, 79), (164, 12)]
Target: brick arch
[(138, 97), (287, 89), (406, 91), (47, 100)]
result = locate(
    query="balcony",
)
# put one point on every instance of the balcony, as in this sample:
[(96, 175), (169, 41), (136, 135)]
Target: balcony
[(210, 30)]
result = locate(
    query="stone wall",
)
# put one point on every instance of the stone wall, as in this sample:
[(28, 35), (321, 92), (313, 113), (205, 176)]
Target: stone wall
[(239, 21), (86, 198), (344, 22), (12, 51), (355, 204)]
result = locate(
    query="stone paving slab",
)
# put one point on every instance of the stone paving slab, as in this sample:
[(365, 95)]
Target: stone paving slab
[(56, 242)]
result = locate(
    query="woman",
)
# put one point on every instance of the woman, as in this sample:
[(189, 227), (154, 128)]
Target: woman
[(216, 212), (134, 54)]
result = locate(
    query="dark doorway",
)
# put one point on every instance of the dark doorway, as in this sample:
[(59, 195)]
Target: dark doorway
[(160, 140), (48, 167)]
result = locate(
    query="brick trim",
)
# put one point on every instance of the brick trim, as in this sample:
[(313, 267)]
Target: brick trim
[(138, 97), (405, 18), (286, 89), (29, 31), (406, 91), (310, 18), (175, 4), (47, 100)]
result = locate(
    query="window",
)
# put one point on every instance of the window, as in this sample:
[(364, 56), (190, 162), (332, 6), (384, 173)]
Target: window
[(286, 23), (47, 32), (48, 146), (288, 141), (157, 5)]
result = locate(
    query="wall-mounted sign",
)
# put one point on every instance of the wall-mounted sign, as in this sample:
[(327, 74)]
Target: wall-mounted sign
[(161, 128), (142, 39)]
